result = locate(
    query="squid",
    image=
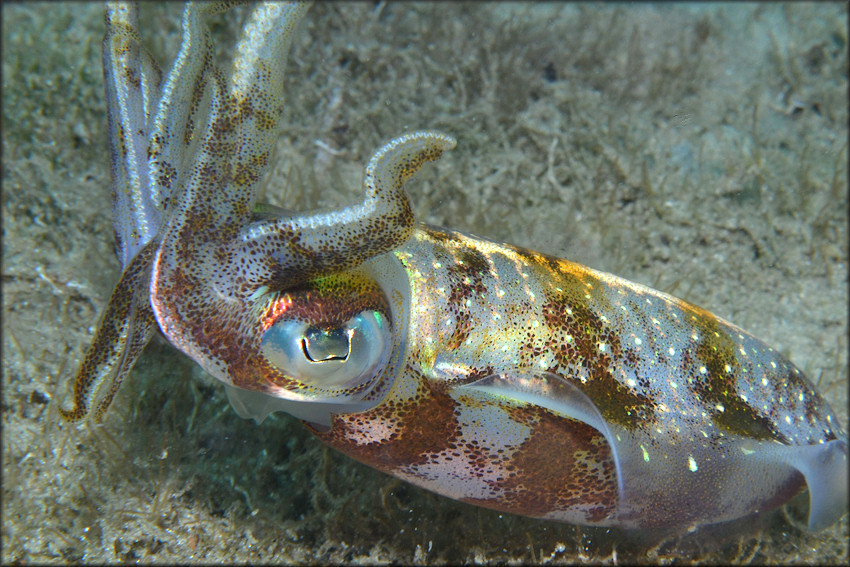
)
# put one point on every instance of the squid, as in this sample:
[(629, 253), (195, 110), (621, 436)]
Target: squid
[(484, 372)]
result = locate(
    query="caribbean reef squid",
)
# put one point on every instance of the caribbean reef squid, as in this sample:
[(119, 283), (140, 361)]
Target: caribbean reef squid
[(481, 371)]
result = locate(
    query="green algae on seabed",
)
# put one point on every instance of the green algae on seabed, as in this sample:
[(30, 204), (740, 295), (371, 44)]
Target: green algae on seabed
[(697, 149)]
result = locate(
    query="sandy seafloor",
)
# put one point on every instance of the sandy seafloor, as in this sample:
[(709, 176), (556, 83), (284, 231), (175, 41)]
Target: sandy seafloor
[(698, 149)]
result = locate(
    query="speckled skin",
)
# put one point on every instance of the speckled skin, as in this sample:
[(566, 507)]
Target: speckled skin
[(483, 372), (681, 387)]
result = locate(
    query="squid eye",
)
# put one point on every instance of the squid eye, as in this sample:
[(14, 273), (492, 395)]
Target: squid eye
[(347, 355)]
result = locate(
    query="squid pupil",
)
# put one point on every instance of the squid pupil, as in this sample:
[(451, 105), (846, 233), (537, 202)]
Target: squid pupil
[(321, 345)]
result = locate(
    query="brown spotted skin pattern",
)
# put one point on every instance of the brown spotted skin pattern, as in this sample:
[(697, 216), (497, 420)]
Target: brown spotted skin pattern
[(185, 174), (685, 391), (487, 373), (456, 446), (125, 328), (187, 151)]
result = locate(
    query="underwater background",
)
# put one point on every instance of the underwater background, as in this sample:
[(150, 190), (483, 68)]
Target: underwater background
[(697, 149)]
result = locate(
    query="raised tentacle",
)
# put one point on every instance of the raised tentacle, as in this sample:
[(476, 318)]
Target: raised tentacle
[(191, 286), (238, 137), (183, 107), (132, 80), (144, 124), (242, 127), (292, 250)]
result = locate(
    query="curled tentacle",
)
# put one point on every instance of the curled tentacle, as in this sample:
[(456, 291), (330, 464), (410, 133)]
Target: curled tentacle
[(288, 251)]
